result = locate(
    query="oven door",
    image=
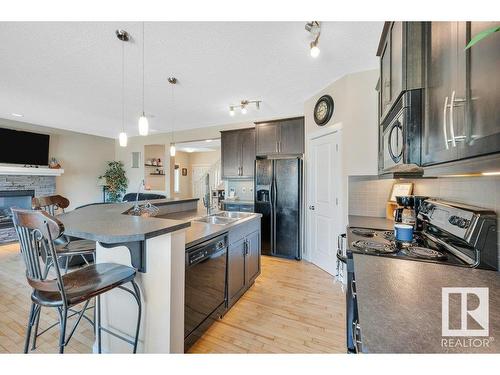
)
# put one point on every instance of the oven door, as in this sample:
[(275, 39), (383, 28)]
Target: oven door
[(393, 142), (205, 283)]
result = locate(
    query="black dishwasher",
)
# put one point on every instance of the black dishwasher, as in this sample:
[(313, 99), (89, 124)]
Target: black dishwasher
[(205, 287)]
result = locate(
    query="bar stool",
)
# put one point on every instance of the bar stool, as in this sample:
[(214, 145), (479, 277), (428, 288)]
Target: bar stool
[(37, 231), (66, 247)]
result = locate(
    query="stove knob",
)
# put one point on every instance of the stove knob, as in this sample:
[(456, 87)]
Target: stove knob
[(462, 223), (453, 220)]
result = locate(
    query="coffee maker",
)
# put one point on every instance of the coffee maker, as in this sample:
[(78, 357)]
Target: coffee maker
[(407, 212)]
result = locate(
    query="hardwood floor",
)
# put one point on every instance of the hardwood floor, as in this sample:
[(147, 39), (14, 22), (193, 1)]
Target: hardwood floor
[(294, 307)]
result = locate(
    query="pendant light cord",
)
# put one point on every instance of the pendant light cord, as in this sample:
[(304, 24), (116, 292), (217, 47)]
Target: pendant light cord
[(173, 113), (123, 86), (143, 68)]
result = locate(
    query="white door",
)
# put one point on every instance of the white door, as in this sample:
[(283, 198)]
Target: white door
[(324, 209), (198, 181)]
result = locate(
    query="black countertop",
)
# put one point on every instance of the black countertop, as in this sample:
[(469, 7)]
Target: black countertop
[(399, 304), (106, 223)]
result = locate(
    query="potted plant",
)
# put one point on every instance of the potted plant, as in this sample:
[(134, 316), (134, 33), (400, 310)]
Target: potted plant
[(115, 180)]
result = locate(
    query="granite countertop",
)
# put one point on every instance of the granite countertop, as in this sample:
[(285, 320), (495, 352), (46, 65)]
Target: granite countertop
[(371, 222), (106, 223), (399, 304), (198, 231)]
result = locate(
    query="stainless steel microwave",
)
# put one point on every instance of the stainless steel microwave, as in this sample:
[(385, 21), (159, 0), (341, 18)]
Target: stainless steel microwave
[(400, 135)]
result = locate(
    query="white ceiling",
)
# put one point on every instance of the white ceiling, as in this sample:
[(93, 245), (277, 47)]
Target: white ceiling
[(68, 75)]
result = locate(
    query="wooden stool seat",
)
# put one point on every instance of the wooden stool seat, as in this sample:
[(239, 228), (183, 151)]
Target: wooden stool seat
[(76, 246), (85, 283)]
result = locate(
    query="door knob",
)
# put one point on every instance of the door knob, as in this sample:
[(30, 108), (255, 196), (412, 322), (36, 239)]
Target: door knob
[(311, 208)]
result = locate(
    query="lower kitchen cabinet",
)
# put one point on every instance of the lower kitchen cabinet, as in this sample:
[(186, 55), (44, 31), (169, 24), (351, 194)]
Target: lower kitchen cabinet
[(243, 264)]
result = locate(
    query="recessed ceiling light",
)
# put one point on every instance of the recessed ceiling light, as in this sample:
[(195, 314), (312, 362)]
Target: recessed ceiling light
[(16, 114), (208, 140)]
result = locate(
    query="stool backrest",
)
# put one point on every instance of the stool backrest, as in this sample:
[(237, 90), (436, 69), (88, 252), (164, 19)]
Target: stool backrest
[(50, 203), (37, 230)]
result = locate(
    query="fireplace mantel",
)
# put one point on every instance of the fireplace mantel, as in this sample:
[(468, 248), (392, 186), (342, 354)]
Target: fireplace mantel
[(29, 171)]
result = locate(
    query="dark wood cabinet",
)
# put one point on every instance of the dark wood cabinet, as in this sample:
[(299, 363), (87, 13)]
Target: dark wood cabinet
[(238, 153), (243, 259), (401, 54), (462, 115), (252, 257), (280, 137), (482, 124), (236, 268)]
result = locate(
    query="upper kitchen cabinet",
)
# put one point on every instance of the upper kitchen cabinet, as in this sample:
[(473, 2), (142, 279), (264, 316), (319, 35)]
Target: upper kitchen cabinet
[(400, 51), (284, 137), (462, 115), (238, 153)]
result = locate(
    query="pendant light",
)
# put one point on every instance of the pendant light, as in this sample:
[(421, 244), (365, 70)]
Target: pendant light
[(143, 120), (172, 81), (124, 37)]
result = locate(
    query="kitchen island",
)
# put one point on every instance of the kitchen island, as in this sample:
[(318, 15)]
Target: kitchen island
[(156, 248)]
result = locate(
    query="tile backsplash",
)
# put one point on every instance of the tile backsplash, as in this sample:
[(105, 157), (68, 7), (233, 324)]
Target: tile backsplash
[(243, 189)]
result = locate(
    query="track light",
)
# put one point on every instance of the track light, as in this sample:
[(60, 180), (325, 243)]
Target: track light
[(314, 27), (243, 106)]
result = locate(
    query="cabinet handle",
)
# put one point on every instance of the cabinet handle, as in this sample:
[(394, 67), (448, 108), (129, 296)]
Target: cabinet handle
[(277, 147), (445, 110), (452, 130)]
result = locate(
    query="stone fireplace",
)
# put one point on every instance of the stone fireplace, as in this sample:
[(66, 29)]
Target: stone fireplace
[(17, 191)]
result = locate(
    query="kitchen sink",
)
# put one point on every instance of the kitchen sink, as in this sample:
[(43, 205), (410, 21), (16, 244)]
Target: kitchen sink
[(232, 214), (220, 220)]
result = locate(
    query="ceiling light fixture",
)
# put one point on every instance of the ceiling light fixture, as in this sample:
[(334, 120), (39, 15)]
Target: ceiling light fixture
[(172, 81), (143, 120), (244, 106), (314, 27), (124, 37), (16, 114)]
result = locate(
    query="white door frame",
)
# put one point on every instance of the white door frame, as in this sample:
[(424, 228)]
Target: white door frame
[(324, 131)]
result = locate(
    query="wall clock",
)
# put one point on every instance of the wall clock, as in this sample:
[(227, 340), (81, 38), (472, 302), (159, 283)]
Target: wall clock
[(323, 110)]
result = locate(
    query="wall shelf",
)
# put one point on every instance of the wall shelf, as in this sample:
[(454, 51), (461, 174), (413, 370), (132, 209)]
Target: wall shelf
[(29, 171)]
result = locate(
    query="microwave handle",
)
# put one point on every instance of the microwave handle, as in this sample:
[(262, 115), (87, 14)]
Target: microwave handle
[(445, 133)]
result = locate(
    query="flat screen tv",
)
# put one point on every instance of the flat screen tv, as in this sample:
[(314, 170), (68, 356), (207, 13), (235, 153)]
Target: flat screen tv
[(19, 147)]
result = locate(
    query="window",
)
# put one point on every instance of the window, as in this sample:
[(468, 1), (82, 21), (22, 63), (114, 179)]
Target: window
[(176, 178)]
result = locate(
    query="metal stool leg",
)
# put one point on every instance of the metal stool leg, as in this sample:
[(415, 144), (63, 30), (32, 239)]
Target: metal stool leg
[(37, 322), (28, 330), (63, 317), (98, 325), (139, 313)]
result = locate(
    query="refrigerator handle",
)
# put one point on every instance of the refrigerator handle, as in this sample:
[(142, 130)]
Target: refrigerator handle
[(273, 194)]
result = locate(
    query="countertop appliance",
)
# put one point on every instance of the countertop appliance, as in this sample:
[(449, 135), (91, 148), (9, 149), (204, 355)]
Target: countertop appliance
[(453, 234), (278, 183), (205, 291), (400, 136)]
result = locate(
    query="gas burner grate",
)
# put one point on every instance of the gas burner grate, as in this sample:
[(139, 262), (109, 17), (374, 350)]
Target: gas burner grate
[(388, 235), (374, 247), (424, 253), (363, 232)]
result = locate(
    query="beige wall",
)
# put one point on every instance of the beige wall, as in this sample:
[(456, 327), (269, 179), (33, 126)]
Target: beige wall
[(355, 108), (201, 158), (136, 144), (82, 156), (185, 189)]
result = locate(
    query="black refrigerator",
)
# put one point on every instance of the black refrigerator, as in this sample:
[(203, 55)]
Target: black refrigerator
[(278, 197)]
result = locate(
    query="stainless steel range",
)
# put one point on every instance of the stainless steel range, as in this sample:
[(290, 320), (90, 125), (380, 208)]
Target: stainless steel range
[(453, 233)]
